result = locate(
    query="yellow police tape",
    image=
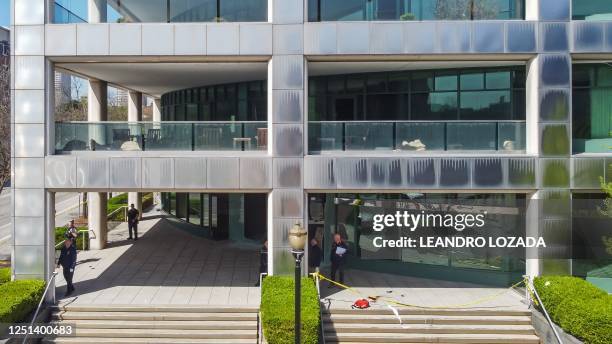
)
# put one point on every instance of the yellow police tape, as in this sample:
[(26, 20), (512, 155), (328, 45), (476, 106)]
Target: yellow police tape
[(463, 305)]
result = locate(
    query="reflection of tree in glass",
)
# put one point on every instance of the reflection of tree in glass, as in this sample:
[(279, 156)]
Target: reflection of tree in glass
[(466, 9)]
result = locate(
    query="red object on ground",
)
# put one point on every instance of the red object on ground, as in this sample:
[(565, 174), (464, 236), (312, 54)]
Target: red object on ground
[(361, 304)]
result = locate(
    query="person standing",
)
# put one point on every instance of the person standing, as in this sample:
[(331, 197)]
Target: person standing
[(71, 232), (339, 250), (314, 255), (133, 215), (263, 261), (67, 260)]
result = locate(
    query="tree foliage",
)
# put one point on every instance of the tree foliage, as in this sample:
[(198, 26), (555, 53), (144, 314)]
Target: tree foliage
[(606, 209), (5, 122), (466, 9)]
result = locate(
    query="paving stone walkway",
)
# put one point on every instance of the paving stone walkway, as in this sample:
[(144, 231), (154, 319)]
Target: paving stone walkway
[(166, 266)]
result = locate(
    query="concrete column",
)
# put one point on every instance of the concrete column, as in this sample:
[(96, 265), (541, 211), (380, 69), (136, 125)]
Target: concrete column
[(96, 11), (97, 219), (134, 106), (97, 111), (135, 115), (157, 110)]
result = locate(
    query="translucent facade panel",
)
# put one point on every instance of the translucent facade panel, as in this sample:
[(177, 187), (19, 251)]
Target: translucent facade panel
[(352, 172), (189, 173), (60, 172), (320, 38), (29, 202), (588, 36), (157, 173), (280, 231), (29, 172), (586, 173), (157, 39), (453, 37), (255, 39), (29, 12), (488, 172), (288, 173), (288, 203), (125, 39), (288, 11), (29, 140), (284, 262), (288, 106), (288, 39), (222, 39), (288, 140), (29, 231), (386, 39), (353, 38), (554, 105), (223, 173), (419, 37), (92, 39), (29, 106), (60, 40), (554, 9), (29, 72), (29, 260), (555, 140), (423, 172), (554, 173), (520, 37), (319, 173), (522, 173), (190, 39), (554, 36), (92, 172), (125, 173), (386, 173), (255, 173), (29, 40), (488, 37), (288, 72), (455, 173), (555, 70)]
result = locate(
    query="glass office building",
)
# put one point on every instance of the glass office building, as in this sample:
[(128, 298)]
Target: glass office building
[(268, 113)]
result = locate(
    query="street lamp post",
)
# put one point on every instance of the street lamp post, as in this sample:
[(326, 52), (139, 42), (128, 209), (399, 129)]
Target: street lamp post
[(297, 240)]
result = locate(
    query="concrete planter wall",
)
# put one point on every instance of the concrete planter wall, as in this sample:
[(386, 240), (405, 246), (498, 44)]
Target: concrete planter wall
[(539, 322)]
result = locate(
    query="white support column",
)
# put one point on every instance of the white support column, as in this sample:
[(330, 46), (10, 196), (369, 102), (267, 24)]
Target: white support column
[(97, 219), (157, 110), (135, 115), (96, 11), (97, 110), (532, 223)]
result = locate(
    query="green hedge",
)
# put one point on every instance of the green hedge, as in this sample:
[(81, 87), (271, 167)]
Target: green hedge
[(578, 307), (59, 237), (19, 298), (5, 275), (278, 310)]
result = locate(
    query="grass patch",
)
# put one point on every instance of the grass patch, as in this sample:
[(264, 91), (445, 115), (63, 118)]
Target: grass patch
[(19, 298), (5, 275), (277, 310), (578, 307)]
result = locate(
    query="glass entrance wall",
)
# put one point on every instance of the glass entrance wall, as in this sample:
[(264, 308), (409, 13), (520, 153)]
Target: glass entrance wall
[(236, 217), (454, 110), (352, 10), (592, 108), (351, 216)]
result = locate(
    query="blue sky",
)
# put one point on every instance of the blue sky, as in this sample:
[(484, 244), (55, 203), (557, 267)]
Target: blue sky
[(4, 12)]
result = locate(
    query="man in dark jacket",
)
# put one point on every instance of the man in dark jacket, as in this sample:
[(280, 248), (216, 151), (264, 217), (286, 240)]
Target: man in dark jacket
[(314, 255), (339, 250), (263, 261), (133, 215), (67, 260)]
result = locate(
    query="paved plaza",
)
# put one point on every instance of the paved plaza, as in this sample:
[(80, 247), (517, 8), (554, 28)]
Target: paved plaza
[(419, 292), (166, 266)]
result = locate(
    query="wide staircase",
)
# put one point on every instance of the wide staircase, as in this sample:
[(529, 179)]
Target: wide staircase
[(157, 324), (428, 326)]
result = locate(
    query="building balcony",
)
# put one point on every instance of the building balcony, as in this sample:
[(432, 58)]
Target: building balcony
[(407, 10), (166, 11), (160, 136), (417, 136)]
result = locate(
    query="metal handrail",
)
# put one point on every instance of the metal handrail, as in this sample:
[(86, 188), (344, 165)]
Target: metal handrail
[(42, 299), (318, 284), (550, 322)]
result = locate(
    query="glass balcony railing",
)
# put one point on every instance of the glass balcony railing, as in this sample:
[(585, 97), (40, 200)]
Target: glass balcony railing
[(160, 136), (62, 15), (591, 9), (167, 11), (407, 136), (350, 10)]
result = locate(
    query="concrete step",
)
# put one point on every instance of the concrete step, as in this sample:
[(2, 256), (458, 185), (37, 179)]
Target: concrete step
[(427, 319), (94, 340), (155, 308), (331, 329), (431, 338), (152, 316), (169, 324), (166, 333), (431, 311)]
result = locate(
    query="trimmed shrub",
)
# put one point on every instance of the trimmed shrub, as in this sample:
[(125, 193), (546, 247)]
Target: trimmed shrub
[(5, 275), (19, 298), (278, 310), (578, 307)]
